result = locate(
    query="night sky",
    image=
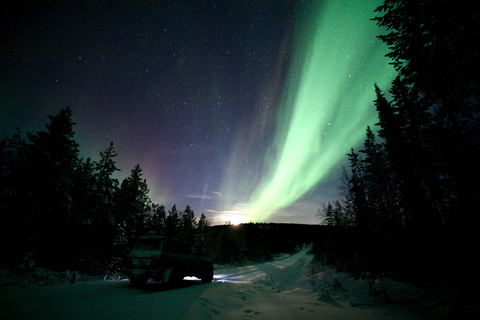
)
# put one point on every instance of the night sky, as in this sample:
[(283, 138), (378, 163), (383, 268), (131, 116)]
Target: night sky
[(243, 110)]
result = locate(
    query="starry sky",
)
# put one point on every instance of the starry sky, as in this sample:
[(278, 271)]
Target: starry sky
[(243, 110)]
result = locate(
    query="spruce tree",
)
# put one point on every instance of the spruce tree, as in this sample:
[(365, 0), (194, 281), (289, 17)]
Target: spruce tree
[(433, 45), (99, 228), (338, 215), (201, 238), (52, 162), (132, 204), (328, 214), (83, 209), (106, 185), (156, 223), (172, 222), (404, 166), (357, 191), (380, 183), (188, 224)]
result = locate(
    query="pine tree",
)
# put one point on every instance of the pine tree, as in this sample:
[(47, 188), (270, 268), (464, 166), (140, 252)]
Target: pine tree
[(338, 215), (202, 223), (380, 183), (99, 227), (328, 214), (84, 191), (83, 196), (132, 204), (425, 35), (188, 224), (15, 209), (417, 208), (201, 238), (357, 191), (107, 186), (52, 161), (348, 197), (172, 222), (156, 223)]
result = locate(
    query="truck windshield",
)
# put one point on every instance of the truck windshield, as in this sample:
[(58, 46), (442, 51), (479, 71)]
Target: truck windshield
[(148, 244)]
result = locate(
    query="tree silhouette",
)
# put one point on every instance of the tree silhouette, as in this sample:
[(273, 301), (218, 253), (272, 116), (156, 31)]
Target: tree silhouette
[(172, 222)]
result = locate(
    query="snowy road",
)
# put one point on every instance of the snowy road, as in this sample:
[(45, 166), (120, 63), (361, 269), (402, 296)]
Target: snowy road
[(272, 290)]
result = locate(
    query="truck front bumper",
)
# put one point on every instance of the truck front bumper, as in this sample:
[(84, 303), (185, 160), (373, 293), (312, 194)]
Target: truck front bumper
[(158, 275)]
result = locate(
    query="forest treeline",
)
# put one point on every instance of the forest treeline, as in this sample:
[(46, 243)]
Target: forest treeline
[(250, 242), (66, 212), (412, 192), (63, 212)]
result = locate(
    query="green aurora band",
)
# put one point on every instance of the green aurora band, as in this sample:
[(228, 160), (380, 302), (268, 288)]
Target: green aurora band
[(325, 108)]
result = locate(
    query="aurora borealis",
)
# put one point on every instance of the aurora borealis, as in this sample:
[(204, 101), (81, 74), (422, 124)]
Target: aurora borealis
[(242, 111), (327, 103)]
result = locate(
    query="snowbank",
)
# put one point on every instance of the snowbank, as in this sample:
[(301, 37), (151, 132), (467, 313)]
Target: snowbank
[(294, 287), (39, 277), (289, 288)]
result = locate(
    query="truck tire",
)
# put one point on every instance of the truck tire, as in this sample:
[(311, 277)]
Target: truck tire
[(175, 280), (208, 275), (138, 282)]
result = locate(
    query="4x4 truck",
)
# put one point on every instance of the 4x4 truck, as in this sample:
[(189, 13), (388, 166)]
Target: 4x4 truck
[(166, 259)]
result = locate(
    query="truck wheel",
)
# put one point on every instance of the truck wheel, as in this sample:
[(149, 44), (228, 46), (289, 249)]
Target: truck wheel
[(175, 279), (208, 275), (138, 282)]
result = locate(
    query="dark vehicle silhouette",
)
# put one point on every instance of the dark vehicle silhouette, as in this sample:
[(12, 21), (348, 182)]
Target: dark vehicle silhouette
[(166, 259)]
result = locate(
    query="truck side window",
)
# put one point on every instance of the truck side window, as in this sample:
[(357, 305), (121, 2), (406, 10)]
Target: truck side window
[(173, 246), (186, 248)]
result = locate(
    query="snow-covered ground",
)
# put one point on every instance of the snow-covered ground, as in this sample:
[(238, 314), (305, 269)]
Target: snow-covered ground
[(290, 287)]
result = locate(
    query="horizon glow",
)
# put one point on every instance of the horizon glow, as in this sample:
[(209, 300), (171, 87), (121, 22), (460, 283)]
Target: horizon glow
[(324, 111)]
